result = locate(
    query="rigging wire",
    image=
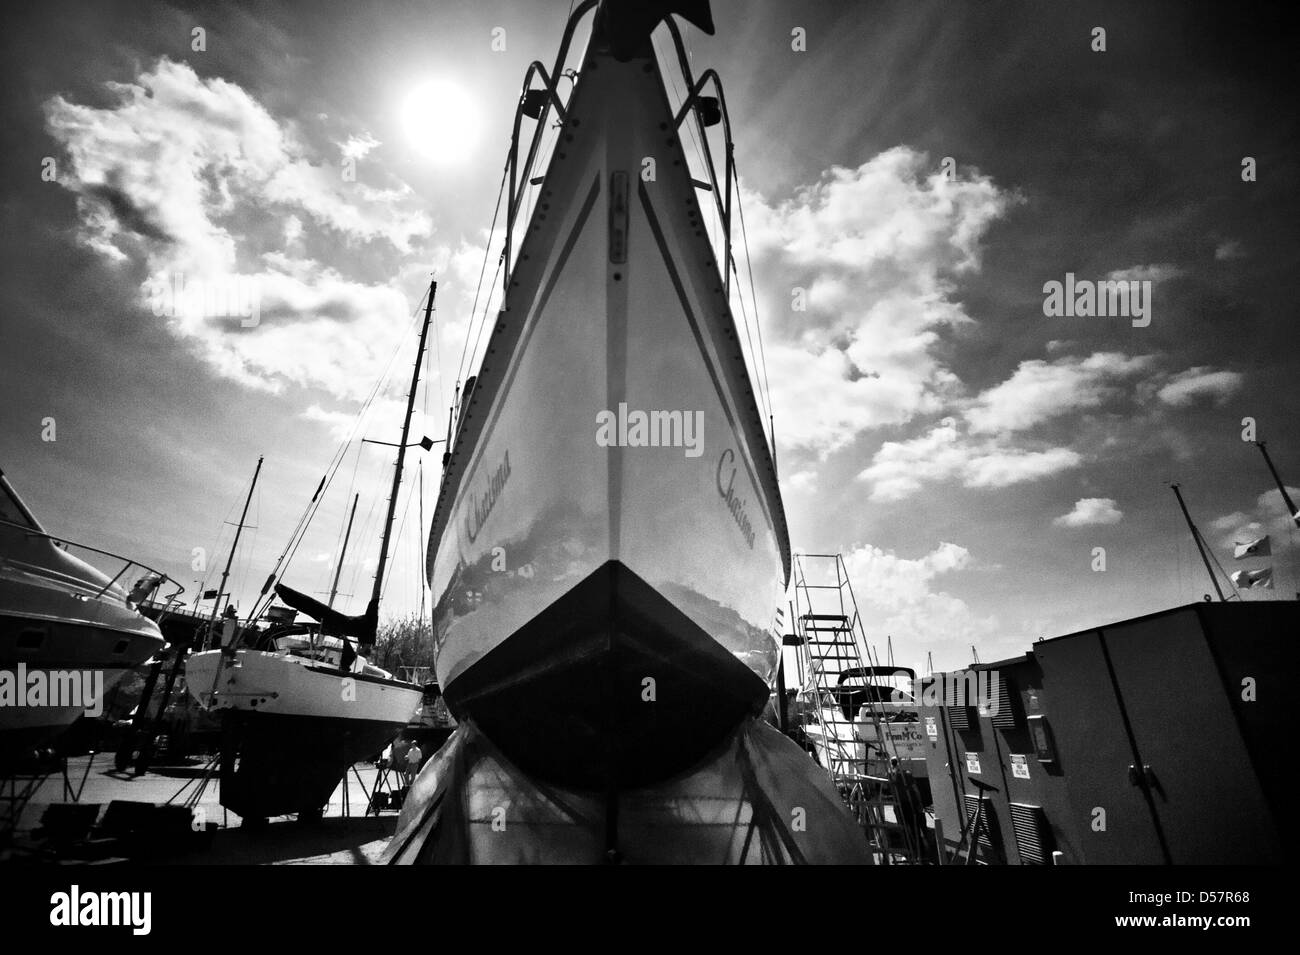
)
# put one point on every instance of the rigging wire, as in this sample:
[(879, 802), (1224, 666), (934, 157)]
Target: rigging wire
[(286, 557), (1214, 557), (487, 306), (397, 540), (487, 250), (759, 357), (753, 295)]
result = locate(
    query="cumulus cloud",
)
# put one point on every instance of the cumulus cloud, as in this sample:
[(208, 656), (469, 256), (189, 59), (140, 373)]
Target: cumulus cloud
[(1191, 385), (1269, 516), (876, 251), (900, 468), (1090, 512), (190, 177), (1039, 390), (1229, 250), (898, 597)]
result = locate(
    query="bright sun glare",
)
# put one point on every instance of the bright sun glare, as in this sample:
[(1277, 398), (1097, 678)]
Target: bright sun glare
[(441, 120)]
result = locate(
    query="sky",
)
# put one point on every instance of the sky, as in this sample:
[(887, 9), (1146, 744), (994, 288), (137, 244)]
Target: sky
[(911, 179)]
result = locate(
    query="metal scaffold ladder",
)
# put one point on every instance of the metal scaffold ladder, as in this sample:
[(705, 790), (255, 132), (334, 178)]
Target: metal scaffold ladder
[(832, 660)]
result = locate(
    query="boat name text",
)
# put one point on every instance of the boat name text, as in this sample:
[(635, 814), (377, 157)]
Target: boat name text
[(483, 504), (735, 504)]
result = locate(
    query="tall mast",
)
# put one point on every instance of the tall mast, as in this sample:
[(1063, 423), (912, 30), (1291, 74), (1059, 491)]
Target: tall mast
[(225, 574), (1290, 505), (424, 584), (401, 449), (1200, 545), (334, 588)]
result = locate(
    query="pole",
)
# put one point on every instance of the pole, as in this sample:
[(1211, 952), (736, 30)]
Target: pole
[(1200, 546), (420, 547), (225, 574), (1290, 505), (334, 588), (401, 449)]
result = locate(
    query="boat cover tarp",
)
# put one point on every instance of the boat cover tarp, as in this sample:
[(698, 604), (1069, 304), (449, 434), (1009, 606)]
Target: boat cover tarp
[(758, 800)]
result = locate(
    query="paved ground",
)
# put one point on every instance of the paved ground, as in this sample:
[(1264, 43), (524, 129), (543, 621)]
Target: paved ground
[(335, 840)]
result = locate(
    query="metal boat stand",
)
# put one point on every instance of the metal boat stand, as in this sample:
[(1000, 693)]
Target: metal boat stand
[(18, 788), (200, 784)]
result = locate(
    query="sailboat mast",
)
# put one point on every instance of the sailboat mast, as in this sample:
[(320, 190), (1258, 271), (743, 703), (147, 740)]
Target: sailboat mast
[(1290, 505), (225, 574), (1200, 545), (401, 448), (334, 588)]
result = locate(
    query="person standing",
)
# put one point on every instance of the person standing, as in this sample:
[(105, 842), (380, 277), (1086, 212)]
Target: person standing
[(413, 760)]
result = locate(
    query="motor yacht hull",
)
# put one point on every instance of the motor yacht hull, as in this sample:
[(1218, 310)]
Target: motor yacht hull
[(63, 626)]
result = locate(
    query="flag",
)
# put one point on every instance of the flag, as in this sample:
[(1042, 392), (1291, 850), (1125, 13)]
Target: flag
[(1259, 547), (1246, 579)]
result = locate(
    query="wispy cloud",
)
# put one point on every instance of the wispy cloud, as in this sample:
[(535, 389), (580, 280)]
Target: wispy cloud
[(900, 468), (1201, 382), (1161, 272), (1039, 390)]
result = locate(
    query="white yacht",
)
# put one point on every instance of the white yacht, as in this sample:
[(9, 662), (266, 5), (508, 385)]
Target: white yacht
[(66, 628)]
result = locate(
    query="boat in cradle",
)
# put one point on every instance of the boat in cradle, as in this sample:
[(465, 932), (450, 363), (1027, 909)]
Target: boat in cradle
[(66, 627), (302, 704), (296, 712), (609, 544)]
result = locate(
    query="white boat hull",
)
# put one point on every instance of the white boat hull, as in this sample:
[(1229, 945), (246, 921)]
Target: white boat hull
[(60, 620), (596, 598), (266, 682), (292, 727)]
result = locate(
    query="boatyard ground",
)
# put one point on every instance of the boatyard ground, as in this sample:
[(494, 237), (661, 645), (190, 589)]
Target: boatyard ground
[(333, 840)]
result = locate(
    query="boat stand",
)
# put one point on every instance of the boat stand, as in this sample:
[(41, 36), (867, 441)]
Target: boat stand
[(384, 796), (200, 784), (18, 788)]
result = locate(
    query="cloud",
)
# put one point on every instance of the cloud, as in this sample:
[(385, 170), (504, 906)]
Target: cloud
[(1039, 390), (1227, 251), (897, 596), (1091, 511), (184, 176), (876, 251), (1268, 517), (1189, 386), (1146, 273), (900, 468), (356, 147)]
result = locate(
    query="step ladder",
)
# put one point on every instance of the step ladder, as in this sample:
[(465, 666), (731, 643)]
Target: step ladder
[(832, 654)]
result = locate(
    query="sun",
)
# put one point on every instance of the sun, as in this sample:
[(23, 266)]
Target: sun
[(441, 120)]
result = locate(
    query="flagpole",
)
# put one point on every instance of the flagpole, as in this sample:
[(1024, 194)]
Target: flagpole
[(1200, 545), (1290, 505)]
